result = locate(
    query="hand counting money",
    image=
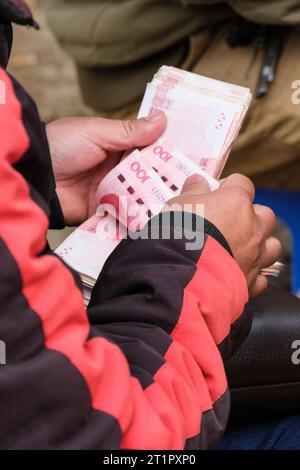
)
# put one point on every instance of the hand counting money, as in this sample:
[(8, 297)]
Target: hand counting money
[(204, 118)]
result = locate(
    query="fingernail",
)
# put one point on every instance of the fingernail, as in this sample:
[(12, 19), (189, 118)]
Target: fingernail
[(194, 179), (154, 117)]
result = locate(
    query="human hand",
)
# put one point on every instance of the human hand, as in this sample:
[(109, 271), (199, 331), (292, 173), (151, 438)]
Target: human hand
[(247, 227), (84, 150)]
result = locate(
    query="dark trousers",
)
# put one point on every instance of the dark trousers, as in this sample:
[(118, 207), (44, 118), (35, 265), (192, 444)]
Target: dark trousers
[(274, 435)]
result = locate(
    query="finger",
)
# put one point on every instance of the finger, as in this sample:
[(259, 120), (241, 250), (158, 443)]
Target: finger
[(266, 217), (240, 181), (195, 184), (122, 135), (271, 253), (259, 286)]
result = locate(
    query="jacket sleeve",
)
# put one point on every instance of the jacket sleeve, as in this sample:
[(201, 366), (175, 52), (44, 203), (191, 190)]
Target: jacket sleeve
[(145, 370), (56, 216)]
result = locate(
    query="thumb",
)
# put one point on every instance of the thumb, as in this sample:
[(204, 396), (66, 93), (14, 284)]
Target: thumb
[(196, 184), (123, 135)]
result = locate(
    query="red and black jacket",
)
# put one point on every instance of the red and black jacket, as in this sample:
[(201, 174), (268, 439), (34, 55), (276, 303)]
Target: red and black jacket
[(143, 369)]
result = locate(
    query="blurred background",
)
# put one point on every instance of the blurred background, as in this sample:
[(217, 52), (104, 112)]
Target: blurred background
[(45, 70)]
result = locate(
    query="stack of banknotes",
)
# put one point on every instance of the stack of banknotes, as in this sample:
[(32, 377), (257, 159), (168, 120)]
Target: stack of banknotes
[(204, 118)]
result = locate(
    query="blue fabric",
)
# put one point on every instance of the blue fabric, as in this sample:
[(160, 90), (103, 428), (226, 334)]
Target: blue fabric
[(286, 205), (273, 435)]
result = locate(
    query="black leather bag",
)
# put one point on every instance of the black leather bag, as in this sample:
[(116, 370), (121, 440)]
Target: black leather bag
[(264, 381)]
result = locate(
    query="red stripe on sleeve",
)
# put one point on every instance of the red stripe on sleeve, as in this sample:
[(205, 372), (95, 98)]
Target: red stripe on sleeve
[(224, 290), (212, 301), (48, 286)]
